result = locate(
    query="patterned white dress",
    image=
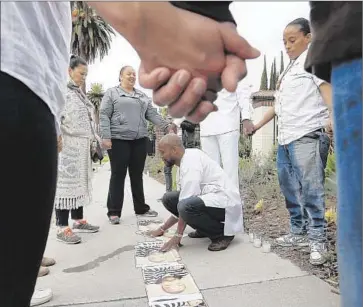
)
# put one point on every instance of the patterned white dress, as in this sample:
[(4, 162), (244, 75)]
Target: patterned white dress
[(74, 186)]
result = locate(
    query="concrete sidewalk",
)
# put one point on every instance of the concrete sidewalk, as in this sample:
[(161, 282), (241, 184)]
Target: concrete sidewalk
[(100, 272)]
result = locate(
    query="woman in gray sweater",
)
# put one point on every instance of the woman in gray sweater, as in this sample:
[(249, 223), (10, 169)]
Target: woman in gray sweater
[(124, 114)]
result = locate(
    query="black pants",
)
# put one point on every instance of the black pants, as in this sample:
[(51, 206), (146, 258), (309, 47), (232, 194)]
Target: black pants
[(206, 220), (127, 155), (28, 181), (168, 174), (188, 139), (62, 216)]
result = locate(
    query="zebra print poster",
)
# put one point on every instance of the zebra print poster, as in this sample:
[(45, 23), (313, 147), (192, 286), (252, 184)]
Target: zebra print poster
[(148, 254), (146, 225), (170, 282)]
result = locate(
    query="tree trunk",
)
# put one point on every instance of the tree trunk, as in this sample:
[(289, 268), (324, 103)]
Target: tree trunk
[(83, 56)]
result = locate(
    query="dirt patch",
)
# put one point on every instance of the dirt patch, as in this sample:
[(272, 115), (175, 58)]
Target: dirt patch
[(273, 221)]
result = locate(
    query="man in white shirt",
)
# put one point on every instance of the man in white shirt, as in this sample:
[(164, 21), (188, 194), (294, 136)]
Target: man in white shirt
[(220, 131), (35, 50), (208, 201)]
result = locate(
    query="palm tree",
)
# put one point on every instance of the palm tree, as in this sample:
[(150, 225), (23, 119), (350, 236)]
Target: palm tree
[(95, 96), (91, 35)]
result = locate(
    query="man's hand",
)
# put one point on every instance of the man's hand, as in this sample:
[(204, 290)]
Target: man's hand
[(248, 127), (181, 90), (189, 41), (107, 144), (60, 144), (330, 126), (174, 242), (155, 233)]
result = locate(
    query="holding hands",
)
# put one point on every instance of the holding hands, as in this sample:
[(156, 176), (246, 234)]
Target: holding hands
[(186, 58), (215, 60)]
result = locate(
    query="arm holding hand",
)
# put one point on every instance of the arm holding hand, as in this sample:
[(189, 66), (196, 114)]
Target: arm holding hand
[(106, 111), (269, 115), (326, 92)]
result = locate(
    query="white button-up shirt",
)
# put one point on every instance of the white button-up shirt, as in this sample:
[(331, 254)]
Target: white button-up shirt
[(203, 177), (35, 48), (231, 108), (298, 103)]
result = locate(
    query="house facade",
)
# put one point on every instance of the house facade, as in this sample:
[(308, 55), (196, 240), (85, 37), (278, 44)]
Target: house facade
[(264, 139)]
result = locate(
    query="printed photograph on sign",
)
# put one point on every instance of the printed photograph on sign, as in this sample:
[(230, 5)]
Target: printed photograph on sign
[(170, 282), (148, 254), (178, 303), (165, 237)]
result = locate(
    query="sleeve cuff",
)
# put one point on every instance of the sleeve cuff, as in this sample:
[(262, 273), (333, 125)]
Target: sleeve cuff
[(318, 81)]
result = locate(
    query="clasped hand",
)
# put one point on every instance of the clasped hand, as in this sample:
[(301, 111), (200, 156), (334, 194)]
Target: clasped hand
[(205, 57)]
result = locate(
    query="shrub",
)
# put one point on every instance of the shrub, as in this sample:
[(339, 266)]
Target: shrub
[(258, 176), (330, 175)]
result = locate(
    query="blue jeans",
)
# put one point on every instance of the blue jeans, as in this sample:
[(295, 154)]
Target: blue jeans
[(300, 167), (347, 102)]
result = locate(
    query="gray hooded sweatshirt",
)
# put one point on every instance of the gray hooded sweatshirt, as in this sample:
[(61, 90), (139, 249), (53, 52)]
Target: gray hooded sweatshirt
[(124, 115)]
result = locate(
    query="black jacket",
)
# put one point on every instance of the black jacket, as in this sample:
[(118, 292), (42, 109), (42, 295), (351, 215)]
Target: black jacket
[(216, 10), (337, 35)]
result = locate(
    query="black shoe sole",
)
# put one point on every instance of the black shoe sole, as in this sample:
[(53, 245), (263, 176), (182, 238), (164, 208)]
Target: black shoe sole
[(193, 235)]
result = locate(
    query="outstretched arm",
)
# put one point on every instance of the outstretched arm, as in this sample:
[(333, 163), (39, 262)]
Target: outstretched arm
[(269, 115)]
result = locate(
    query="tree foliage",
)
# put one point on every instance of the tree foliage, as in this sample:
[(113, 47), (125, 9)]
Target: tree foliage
[(91, 35), (282, 65), (95, 95), (272, 77), (264, 81)]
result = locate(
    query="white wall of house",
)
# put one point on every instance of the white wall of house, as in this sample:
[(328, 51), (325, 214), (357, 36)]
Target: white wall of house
[(262, 140)]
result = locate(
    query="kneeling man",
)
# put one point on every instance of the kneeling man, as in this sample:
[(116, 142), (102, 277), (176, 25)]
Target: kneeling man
[(207, 200)]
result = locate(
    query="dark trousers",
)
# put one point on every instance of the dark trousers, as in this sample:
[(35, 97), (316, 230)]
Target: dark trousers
[(29, 145), (347, 96), (62, 216), (207, 221), (188, 139), (131, 156), (168, 173)]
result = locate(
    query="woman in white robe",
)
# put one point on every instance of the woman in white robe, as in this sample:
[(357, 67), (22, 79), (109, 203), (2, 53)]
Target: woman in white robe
[(74, 189)]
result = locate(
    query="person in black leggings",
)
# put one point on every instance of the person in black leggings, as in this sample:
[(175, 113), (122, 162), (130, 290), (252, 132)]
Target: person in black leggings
[(29, 188), (124, 114)]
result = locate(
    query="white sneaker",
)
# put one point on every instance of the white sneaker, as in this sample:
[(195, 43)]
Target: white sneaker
[(41, 296), (318, 253)]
